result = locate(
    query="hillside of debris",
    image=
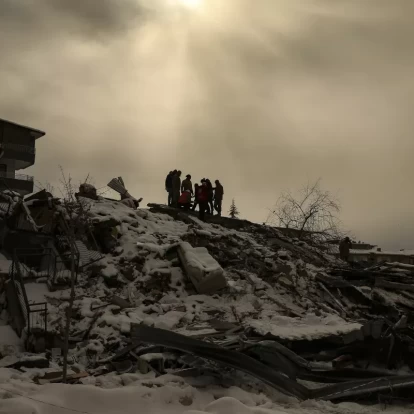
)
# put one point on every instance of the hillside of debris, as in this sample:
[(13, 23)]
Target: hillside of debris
[(269, 278), (168, 293)]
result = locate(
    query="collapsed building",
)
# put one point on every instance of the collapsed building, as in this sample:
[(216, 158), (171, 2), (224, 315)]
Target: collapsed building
[(158, 291)]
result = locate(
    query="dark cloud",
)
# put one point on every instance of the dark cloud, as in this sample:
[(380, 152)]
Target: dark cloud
[(264, 95), (85, 18), (107, 15)]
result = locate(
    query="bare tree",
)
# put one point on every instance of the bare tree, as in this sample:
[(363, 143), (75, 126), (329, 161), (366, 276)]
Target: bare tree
[(76, 215), (48, 187), (312, 211)]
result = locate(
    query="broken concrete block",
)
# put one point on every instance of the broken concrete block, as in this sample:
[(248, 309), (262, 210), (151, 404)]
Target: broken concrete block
[(31, 362), (143, 366), (282, 268), (122, 303), (202, 269), (128, 273), (285, 282), (88, 191)]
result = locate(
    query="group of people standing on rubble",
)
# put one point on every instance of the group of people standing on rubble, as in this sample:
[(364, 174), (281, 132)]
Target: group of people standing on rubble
[(206, 197)]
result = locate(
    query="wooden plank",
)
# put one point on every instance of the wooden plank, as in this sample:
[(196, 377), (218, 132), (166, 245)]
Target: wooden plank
[(393, 285), (72, 377), (336, 301)]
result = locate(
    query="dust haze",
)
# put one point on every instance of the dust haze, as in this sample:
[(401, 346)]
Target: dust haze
[(264, 95)]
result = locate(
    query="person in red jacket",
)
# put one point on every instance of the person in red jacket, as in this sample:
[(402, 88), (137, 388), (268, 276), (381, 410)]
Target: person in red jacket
[(202, 198)]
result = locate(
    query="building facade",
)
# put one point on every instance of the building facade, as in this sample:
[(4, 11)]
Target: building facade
[(17, 152), (377, 256)]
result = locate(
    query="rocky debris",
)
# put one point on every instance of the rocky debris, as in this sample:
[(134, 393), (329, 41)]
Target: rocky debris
[(222, 355), (279, 367), (30, 362), (118, 185), (204, 272), (121, 302), (87, 190), (272, 288)]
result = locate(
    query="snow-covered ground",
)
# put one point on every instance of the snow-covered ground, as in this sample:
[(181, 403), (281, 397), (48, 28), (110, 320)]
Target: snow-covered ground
[(166, 395)]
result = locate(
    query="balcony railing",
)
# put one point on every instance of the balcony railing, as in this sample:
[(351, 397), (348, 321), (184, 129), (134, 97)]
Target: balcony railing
[(16, 147), (14, 176), (34, 313), (19, 183)]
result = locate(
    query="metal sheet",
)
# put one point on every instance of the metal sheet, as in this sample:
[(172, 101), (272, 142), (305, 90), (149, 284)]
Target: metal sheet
[(216, 353)]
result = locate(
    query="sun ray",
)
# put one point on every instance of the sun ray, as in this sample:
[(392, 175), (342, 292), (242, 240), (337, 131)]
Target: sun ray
[(191, 3)]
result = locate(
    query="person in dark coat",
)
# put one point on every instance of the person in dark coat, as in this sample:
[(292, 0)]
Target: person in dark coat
[(344, 249), (210, 196), (203, 194), (202, 182), (168, 185), (196, 187), (176, 188), (187, 185), (218, 197)]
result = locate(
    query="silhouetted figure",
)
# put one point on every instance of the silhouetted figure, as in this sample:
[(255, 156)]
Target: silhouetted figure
[(196, 187), (176, 187), (169, 185), (203, 194), (218, 197), (210, 196), (187, 185), (344, 249)]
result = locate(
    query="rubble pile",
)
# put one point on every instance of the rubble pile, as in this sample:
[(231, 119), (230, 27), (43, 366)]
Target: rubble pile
[(284, 305)]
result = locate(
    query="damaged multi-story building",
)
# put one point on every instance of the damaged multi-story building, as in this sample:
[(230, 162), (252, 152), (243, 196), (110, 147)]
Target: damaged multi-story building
[(37, 237), (17, 152)]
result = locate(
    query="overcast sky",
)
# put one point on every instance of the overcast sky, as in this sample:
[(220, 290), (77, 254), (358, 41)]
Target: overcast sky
[(262, 94)]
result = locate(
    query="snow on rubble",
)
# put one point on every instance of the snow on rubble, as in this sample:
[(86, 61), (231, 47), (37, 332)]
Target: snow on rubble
[(309, 327), (270, 289), (160, 295)]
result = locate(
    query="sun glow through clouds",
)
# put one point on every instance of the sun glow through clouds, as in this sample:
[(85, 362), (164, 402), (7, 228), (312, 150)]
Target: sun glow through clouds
[(191, 4)]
